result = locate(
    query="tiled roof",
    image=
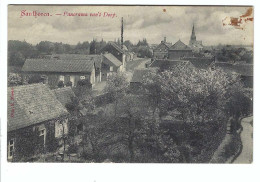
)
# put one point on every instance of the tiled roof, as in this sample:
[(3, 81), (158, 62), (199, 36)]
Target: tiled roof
[(96, 58), (179, 45), (168, 44), (57, 65), (33, 104), (64, 95), (116, 47), (112, 59)]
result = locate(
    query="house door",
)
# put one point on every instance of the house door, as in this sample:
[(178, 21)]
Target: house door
[(72, 79), (41, 142)]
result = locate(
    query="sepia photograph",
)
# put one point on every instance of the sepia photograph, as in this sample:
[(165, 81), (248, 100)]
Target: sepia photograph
[(130, 84)]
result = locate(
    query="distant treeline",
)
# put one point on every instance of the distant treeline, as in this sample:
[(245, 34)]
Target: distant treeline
[(19, 51), (234, 54)]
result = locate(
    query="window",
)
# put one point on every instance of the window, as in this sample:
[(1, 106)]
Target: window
[(61, 128), (82, 77), (11, 149), (61, 78), (42, 133), (111, 68), (72, 79)]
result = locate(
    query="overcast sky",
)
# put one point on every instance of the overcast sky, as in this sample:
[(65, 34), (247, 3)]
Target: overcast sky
[(152, 23)]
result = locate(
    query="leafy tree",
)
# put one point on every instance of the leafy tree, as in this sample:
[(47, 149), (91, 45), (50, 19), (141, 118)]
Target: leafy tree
[(93, 48), (199, 95), (83, 88), (142, 43), (116, 86), (46, 47), (35, 79), (19, 51), (74, 106), (69, 84), (14, 79), (60, 84), (198, 100), (128, 44)]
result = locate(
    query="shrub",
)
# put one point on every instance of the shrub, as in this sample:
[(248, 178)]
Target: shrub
[(61, 84), (35, 79), (85, 83), (69, 84), (73, 148)]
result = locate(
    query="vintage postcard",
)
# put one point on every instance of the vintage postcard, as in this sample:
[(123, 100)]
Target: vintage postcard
[(130, 84)]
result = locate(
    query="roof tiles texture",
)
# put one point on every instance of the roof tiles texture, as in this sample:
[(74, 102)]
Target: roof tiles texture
[(64, 95), (179, 45), (96, 58), (33, 104), (112, 59), (57, 65)]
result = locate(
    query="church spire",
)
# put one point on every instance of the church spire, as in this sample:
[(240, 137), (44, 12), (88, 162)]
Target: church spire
[(193, 36)]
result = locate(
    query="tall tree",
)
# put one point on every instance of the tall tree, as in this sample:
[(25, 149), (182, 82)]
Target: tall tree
[(116, 86)]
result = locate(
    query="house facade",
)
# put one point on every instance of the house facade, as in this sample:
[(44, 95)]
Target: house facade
[(54, 71), (162, 50), (110, 65), (179, 50), (36, 121), (116, 51)]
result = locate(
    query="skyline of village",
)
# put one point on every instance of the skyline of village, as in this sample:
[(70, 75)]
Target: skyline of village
[(172, 22)]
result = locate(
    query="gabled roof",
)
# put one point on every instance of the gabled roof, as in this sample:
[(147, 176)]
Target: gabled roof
[(57, 65), (115, 46), (167, 44), (96, 58), (64, 95), (112, 59), (33, 104), (179, 45)]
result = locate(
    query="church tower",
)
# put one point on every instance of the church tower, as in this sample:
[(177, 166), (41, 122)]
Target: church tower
[(192, 37)]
